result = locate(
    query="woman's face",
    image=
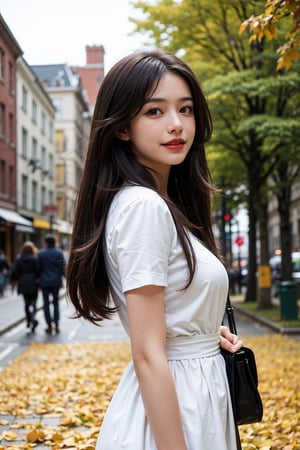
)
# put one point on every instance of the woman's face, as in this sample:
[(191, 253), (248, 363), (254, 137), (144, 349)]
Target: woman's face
[(164, 129)]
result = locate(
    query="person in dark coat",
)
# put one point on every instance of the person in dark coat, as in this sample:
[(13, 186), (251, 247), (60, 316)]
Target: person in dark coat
[(25, 275), (4, 270), (52, 268)]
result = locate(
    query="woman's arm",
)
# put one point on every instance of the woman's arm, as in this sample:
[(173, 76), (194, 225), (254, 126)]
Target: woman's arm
[(146, 316)]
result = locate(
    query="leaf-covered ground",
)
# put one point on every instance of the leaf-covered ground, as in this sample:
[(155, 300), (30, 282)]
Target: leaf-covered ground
[(57, 394)]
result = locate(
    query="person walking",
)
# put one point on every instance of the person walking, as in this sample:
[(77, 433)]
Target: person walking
[(142, 235), (52, 269), (4, 271), (25, 275)]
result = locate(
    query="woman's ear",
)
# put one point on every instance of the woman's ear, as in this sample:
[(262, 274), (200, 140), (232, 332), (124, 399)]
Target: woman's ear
[(123, 135)]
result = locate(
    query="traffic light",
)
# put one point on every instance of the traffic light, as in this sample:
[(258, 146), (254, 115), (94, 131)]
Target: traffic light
[(227, 217), (239, 240)]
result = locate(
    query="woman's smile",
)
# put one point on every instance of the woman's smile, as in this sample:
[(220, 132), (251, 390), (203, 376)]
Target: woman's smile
[(175, 144)]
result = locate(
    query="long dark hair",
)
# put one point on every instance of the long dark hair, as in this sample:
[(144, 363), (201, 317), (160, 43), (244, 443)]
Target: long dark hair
[(110, 163)]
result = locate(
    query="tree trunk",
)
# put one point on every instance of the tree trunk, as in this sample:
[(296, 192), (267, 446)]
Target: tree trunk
[(284, 204), (286, 245), (264, 285), (251, 281)]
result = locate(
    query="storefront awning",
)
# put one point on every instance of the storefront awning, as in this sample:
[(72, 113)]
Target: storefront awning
[(63, 227), (14, 217), (24, 229), (40, 222)]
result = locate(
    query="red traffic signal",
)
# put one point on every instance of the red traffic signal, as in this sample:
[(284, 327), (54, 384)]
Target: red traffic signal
[(239, 240), (227, 217)]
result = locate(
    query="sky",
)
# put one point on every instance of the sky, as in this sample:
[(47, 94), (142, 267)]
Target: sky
[(57, 31)]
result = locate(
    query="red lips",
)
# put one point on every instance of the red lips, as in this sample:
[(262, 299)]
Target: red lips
[(175, 142)]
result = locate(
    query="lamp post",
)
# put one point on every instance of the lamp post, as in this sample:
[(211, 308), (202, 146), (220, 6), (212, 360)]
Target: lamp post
[(50, 211), (239, 242)]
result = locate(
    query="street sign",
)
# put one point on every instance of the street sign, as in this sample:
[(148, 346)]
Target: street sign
[(50, 210)]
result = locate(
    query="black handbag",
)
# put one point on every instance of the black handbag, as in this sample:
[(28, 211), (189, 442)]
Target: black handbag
[(242, 378)]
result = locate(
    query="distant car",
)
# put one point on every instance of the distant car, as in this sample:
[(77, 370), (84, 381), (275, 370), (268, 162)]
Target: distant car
[(296, 266), (275, 263)]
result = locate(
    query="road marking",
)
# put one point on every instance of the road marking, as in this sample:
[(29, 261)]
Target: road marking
[(10, 348), (74, 331), (15, 330)]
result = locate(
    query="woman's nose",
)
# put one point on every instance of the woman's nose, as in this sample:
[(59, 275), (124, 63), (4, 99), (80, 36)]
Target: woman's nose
[(175, 124)]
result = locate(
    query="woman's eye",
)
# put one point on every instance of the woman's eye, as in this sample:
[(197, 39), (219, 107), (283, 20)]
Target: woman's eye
[(188, 109), (154, 112)]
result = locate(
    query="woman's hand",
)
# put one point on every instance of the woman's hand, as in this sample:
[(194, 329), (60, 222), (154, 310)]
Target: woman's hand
[(229, 341)]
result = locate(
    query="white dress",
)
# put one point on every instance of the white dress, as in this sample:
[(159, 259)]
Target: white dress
[(142, 248)]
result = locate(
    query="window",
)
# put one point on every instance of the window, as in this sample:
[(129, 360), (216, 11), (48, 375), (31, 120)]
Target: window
[(43, 117), (24, 142), (2, 60), (57, 102), (43, 199), (43, 158), (2, 176), (24, 191), (24, 98), (2, 120), (60, 175), (34, 195), (50, 131), (51, 198), (11, 128), (51, 166), (34, 149), (60, 141), (34, 111), (11, 78), (11, 182)]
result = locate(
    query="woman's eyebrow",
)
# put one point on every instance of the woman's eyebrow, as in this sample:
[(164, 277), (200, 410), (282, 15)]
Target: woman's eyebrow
[(159, 99)]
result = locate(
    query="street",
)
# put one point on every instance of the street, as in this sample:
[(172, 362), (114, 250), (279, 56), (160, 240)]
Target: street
[(14, 341), (17, 338)]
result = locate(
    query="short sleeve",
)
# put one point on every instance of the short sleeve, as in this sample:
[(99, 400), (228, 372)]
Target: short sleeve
[(141, 242)]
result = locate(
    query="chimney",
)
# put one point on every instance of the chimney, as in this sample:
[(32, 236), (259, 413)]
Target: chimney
[(94, 54)]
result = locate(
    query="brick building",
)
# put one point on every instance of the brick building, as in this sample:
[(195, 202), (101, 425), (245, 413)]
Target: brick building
[(92, 73), (10, 220)]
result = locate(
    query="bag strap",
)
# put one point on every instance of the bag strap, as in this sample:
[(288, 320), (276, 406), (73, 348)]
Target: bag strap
[(230, 315)]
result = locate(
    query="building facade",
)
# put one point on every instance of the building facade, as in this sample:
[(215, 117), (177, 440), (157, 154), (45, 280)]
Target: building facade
[(36, 188), (11, 222), (71, 128)]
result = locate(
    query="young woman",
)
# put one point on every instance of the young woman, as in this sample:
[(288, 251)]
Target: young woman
[(143, 237)]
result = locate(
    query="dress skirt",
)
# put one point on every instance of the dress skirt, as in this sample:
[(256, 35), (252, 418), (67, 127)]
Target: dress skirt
[(200, 379)]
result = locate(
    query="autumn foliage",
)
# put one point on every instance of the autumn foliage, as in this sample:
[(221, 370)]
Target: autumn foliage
[(58, 394), (265, 26)]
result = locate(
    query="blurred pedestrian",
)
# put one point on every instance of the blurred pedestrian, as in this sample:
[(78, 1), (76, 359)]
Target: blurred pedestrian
[(52, 269), (25, 275), (142, 236), (4, 271)]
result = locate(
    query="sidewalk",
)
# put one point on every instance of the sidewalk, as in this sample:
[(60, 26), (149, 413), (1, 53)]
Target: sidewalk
[(237, 302), (12, 308)]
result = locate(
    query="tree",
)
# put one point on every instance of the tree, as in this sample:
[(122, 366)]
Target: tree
[(265, 26), (243, 90)]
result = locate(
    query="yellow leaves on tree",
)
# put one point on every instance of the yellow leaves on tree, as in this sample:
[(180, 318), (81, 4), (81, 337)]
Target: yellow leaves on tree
[(264, 25)]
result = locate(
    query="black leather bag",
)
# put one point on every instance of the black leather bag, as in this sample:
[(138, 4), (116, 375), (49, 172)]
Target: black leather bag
[(242, 378)]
